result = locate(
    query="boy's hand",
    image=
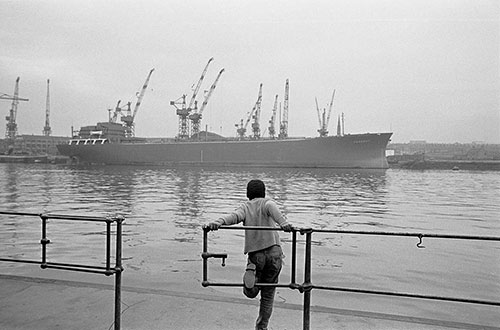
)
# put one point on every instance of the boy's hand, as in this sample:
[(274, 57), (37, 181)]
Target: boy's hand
[(211, 226), (287, 227)]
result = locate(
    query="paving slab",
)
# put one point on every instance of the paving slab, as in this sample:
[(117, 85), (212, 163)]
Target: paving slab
[(41, 303)]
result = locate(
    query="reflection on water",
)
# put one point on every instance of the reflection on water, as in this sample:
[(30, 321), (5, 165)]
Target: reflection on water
[(164, 208)]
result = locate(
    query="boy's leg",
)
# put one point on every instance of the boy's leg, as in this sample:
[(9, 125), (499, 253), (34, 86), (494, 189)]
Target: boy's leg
[(249, 279), (269, 274), (266, 308)]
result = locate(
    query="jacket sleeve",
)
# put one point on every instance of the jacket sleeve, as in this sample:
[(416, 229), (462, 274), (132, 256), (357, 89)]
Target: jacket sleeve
[(236, 217), (275, 213)]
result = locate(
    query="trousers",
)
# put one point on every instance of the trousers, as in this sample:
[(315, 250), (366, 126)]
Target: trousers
[(268, 264)]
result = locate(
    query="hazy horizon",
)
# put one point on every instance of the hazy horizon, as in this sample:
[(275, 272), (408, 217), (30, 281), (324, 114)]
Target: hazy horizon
[(424, 70)]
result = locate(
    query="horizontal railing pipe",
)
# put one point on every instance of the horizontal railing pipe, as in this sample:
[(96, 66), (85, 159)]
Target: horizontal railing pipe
[(409, 295), (383, 233)]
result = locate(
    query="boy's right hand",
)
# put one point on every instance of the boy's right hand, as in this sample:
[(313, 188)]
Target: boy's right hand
[(287, 227), (211, 226)]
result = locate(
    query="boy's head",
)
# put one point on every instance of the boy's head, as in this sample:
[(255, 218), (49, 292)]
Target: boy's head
[(255, 189)]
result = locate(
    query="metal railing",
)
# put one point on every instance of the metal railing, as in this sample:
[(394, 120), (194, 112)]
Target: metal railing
[(307, 286), (107, 270)]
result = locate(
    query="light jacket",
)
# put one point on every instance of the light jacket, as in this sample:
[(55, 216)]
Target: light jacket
[(257, 212)]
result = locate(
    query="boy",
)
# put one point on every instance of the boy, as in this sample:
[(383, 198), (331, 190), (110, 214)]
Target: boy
[(262, 246)]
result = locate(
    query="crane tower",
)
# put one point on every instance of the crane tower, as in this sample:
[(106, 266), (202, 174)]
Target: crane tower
[(272, 130), (284, 121), (242, 128), (183, 110), (195, 117), (46, 129), (128, 119), (323, 118), (256, 116), (11, 129)]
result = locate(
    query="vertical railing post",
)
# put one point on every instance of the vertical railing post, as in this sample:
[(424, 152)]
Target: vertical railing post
[(307, 286), (108, 245), (294, 255), (118, 274), (205, 250), (44, 241)]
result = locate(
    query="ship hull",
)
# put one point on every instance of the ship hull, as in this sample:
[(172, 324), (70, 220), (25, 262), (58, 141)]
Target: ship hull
[(349, 151)]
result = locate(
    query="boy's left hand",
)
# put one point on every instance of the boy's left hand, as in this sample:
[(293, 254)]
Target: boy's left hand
[(211, 226)]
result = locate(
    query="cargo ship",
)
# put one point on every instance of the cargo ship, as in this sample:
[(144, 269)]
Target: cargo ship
[(115, 144), (106, 143)]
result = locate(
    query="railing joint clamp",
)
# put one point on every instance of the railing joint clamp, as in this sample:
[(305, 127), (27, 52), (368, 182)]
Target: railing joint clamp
[(223, 256), (45, 241), (305, 287)]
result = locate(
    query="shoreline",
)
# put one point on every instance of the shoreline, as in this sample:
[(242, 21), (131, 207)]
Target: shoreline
[(452, 165)]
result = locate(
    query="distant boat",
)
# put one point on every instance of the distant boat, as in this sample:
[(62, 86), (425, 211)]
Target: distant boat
[(23, 159)]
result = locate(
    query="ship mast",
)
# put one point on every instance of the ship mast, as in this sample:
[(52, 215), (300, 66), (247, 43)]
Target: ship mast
[(343, 124), (339, 130)]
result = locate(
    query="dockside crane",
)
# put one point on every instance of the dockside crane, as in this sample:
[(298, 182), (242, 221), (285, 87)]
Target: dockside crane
[(183, 113), (46, 129), (256, 116), (128, 119), (193, 101), (284, 121), (272, 121), (323, 118), (241, 128), (113, 113), (183, 110), (195, 117), (11, 129)]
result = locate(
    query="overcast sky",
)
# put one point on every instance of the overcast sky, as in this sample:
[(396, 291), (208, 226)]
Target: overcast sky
[(422, 69)]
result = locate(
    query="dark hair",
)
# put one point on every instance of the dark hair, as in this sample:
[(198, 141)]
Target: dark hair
[(255, 189)]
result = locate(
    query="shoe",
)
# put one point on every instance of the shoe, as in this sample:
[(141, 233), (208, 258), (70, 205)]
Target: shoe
[(249, 276)]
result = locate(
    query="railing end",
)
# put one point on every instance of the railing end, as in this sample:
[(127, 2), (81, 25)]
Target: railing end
[(305, 230), (117, 218)]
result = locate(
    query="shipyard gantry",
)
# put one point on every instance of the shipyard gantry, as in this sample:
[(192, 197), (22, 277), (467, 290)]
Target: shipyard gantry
[(255, 115), (189, 114)]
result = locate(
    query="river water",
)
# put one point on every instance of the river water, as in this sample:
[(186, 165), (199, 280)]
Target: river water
[(165, 208)]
